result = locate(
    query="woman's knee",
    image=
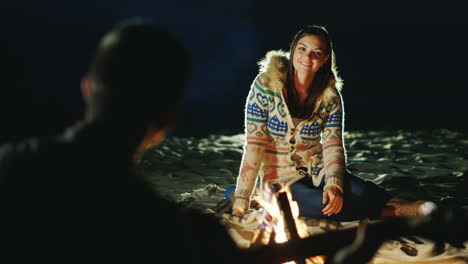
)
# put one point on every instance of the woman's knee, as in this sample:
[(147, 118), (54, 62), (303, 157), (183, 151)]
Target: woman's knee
[(367, 191), (358, 186)]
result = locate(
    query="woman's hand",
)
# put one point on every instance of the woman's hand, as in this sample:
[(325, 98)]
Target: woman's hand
[(238, 208), (333, 198), (238, 212)]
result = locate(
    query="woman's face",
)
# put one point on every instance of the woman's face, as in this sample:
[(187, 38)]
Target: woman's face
[(309, 54)]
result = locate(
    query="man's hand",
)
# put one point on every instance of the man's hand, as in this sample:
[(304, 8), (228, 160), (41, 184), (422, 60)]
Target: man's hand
[(333, 198)]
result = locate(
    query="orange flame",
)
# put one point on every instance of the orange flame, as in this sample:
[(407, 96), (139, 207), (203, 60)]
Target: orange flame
[(280, 233)]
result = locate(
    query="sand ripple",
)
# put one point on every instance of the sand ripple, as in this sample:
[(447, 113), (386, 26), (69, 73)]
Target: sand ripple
[(421, 164)]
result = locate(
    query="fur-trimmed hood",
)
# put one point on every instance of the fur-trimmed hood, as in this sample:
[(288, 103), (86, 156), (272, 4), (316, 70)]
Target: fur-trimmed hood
[(274, 67)]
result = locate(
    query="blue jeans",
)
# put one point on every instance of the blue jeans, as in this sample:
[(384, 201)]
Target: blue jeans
[(361, 199)]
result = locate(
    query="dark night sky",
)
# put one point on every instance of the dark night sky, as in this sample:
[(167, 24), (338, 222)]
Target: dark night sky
[(404, 63)]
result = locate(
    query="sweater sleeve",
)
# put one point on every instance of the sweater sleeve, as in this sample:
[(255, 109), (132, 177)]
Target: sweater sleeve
[(256, 118), (333, 150)]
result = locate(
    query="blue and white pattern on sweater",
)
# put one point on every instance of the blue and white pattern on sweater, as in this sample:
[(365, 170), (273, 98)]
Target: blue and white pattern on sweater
[(310, 130), (335, 119), (255, 111), (277, 127)]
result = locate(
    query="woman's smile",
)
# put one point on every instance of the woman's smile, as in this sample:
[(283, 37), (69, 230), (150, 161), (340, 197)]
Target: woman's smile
[(306, 64)]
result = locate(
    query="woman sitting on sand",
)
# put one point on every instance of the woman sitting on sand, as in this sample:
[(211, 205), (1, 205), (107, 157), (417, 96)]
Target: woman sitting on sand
[(294, 134)]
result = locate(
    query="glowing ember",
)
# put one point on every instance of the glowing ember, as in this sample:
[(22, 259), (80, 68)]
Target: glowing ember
[(280, 236), (316, 260)]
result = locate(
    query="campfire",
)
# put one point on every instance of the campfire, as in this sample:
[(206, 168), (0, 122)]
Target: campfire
[(282, 218), (277, 221), (275, 233)]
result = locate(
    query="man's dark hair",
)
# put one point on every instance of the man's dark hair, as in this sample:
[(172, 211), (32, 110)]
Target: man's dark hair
[(140, 73)]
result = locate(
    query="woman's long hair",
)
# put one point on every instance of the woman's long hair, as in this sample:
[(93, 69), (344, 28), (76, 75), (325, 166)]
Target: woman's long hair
[(328, 72)]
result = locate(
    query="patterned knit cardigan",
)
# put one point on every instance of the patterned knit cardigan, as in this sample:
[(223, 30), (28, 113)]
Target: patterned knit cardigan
[(272, 139)]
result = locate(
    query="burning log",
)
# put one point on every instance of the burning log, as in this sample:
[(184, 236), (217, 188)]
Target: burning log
[(290, 224), (349, 245), (358, 245)]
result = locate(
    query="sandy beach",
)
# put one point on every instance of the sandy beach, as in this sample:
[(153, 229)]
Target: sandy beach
[(424, 164), (416, 164)]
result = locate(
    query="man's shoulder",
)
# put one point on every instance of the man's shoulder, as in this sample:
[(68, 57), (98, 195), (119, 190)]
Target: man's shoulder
[(23, 154), (19, 148), (24, 147)]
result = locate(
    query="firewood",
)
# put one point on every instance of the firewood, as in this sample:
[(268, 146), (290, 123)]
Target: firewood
[(451, 221)]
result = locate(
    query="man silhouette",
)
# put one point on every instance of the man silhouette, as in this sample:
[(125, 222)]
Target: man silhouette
[(82, 185)]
